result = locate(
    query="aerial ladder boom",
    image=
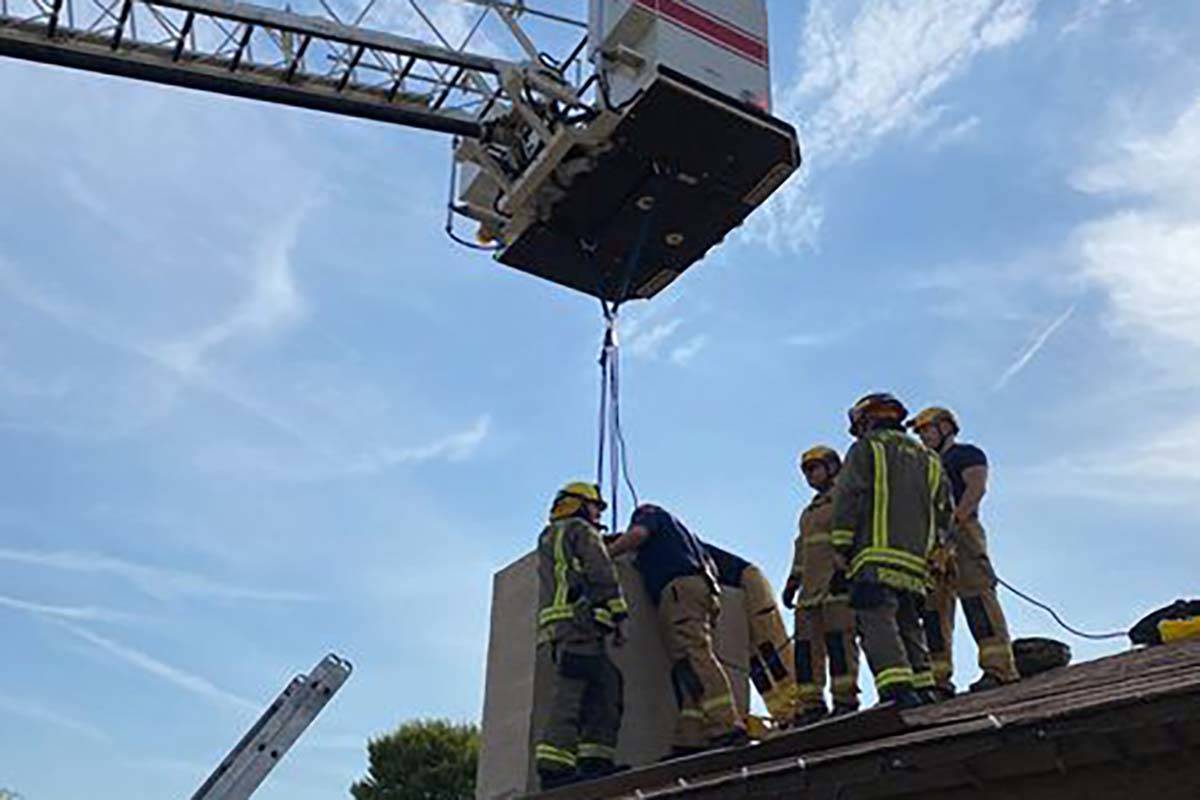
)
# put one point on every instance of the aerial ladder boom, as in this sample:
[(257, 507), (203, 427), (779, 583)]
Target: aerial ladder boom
[(258, 53), (613, 183), (241, 772)]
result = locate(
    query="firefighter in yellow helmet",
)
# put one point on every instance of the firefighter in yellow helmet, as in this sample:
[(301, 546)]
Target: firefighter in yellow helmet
[(962, 569), (580, 606), (889, 504), (825, 631)]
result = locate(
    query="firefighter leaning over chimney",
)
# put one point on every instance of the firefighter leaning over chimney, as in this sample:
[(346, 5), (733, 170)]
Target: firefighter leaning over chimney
[(770, 648), (962, 569), (580, 606), (825, 631), (890, 504), (681, 580)]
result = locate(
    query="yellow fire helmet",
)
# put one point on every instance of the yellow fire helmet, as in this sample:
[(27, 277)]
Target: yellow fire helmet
[(876, 406), (570, 499), (822, 454), (932, 415)]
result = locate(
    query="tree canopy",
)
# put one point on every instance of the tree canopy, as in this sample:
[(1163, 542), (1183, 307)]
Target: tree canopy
[(421, 760)]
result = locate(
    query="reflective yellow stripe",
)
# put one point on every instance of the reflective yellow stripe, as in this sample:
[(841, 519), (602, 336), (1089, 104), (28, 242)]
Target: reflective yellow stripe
[(603, 617), (924, 680), (548, 752), (889, 555), (808, 690), (893, 676), (842, 538), (818, 538), (592, 750), (691, 713), (722, 701), (618, 606), (553, 614), (879, 530), (845, 682), (996, 649), (560, 568), (935, 477), (903, 580)]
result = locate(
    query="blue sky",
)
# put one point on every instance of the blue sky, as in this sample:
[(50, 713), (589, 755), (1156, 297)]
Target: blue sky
[(254, 407)]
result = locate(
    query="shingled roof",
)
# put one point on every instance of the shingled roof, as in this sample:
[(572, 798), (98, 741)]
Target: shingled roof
[(1125, 727)]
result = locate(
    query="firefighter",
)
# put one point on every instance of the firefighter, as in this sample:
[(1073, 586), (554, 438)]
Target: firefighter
[(770, 648), (965, 572), (681, 581), (580, 606), (825, 631), (890, 502)]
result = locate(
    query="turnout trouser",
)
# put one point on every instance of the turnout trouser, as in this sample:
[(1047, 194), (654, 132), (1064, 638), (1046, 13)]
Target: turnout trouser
[(973, 584), (826, 639), (686, 613), (585, 712), (889, 621), (770, 648)]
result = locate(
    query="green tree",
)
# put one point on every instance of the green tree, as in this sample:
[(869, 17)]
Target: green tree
[(421, 760)]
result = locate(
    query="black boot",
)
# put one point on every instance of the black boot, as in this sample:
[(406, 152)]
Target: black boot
[(986, 683), (678, 751), (842, 709), (557, 778), (735, 738), (593, 768), (810, 716), (903, 698)]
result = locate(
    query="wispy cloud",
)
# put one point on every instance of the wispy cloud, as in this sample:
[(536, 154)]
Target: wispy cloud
[(1143, 257), (1034, 348), (190, 682), (171, 363), (272, 302), (305, 466), (871, 70), (684, 353), (157, 582), (1088, 12), (455, 447), (955, 133), (76, 613), (645, 340), (36, 711)]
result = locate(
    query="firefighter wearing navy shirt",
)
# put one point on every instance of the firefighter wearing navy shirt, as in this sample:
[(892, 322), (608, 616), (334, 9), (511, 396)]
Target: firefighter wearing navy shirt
[(681, 580), (962, 570)]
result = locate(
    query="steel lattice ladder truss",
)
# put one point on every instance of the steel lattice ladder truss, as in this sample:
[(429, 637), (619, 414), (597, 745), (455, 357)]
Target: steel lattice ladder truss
[(263, 54)]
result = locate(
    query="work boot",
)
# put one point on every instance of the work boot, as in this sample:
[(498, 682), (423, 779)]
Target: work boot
[(943, 693), (735, 738), (903, 698), (678, 751), (557, 779), (986, 683), (592, 768), (810, 716), (843, 709)]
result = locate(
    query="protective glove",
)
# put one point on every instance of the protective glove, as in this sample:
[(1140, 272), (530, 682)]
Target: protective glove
[(789, 591), (941, 560)]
